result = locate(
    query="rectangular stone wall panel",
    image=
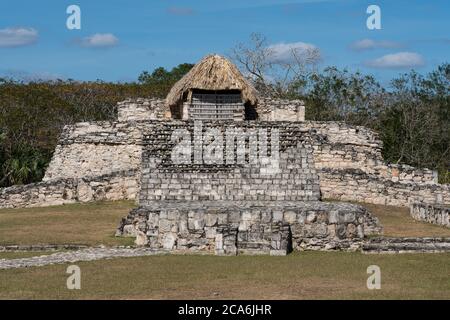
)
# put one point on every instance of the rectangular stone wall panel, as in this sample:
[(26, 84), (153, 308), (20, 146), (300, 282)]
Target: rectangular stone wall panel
[(293, 176)]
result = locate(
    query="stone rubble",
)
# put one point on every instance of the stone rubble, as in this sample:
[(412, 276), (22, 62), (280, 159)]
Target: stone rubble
[(42, 247), (89, 254)]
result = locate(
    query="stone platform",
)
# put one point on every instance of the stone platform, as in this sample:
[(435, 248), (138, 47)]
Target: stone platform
[(248, 227)]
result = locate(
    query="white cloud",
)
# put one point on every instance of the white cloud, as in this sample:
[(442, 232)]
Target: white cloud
[(100, 40), (397, 60), (282, 52), (17, 37), (368, 44)]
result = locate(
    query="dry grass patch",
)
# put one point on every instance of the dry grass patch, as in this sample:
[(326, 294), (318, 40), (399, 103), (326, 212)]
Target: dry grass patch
[(91, 224), (397, 222)]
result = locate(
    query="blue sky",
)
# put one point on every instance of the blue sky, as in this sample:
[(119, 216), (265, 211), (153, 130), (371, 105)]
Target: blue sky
[(119, 39)]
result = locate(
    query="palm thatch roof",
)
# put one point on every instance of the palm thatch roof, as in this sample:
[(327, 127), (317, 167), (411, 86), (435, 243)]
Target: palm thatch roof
[(213, 72)]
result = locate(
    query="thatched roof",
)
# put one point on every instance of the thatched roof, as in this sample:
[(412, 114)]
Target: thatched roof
[(213, 72)]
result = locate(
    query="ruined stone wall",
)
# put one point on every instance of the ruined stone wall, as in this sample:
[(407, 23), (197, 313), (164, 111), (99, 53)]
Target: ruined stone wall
[(270, 109), (347, 159), (436, 214), (341, 146), (357, 185), (142, 109), (350, 165), (113, 186), (96, 148), (246, 227)]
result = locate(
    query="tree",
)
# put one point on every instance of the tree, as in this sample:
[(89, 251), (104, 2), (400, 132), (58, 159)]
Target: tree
[(163, 77), (275, 74), (343, 96), (416, 127)]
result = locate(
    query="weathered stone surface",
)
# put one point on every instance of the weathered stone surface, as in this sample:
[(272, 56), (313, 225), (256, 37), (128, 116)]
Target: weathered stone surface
[(244, 231), (270, 109), (113, 186), (431, 213), (42, 247), (357, 185), (89, 254), (406, 245), (142, 109), (295, 177), (226, 245), (347, 158)]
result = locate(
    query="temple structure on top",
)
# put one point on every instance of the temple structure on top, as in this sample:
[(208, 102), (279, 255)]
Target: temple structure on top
[(214, 89)]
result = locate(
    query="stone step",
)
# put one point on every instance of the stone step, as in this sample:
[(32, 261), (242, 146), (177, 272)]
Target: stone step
[(406, 245)]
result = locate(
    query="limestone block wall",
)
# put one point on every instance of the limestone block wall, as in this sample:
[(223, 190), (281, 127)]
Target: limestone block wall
[(142, 109), (357, 185), (436, 214), (350, 165), (295, 177), (93, 149), (248, 227), (270, 109), (347, 159), (113, 186)]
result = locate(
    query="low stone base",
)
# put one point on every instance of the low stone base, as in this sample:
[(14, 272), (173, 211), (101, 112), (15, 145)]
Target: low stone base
[(406, 245), (232, 228), (432, 213)]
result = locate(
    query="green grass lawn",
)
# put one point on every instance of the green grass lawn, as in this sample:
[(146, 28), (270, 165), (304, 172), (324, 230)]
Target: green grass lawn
[(301, 275)]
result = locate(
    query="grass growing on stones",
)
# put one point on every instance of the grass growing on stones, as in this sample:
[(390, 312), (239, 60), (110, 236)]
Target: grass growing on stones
[(304, 275), (91, 224)]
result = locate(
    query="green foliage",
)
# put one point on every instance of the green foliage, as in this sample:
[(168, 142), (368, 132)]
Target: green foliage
[(24, 164), (415, 128), (342, 96), (164, 78)]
